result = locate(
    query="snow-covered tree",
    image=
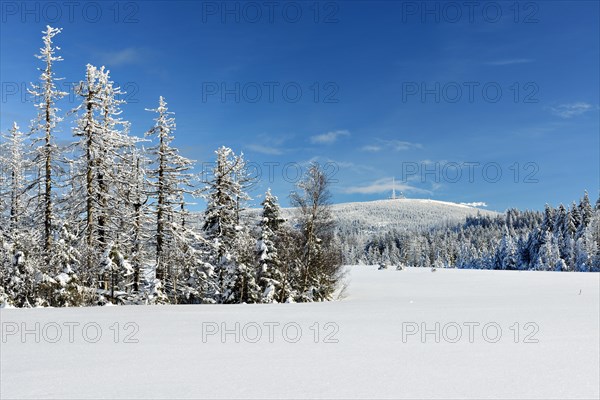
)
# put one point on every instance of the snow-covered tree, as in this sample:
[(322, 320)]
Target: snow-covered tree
[(46, 94), (170, 179), (586, 211), (68, 290), (548, 222), (508, 256), (548, 254), (576, 215), (271, 272), (136, 201), (101, 180), (226, 237), (319, 263), (85, 191), (14, 166)]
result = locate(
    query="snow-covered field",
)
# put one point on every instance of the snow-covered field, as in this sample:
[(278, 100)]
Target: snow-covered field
[(367, 345)]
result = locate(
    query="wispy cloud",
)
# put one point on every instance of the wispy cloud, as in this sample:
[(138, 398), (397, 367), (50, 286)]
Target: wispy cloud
[(259, 148), (329, 137), (382, 185), (270, 144), (572, 109), (475, 204), (509, 62), (396, 145), (351, 166), (130, 55), (371, 148)]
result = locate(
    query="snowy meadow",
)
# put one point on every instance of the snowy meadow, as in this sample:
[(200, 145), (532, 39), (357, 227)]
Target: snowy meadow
[(396, 334)]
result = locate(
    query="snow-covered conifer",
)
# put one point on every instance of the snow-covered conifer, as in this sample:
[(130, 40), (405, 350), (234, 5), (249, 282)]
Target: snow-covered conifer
[(224, 193), (270, 272), (170, 179), (46, 94)]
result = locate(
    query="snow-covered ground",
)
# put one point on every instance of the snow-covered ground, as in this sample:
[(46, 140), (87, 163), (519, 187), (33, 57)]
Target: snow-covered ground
[(367, 344)]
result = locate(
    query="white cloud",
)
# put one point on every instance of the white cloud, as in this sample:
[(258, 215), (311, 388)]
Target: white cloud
[(371, 148), (272, 145), (510, 61), (383, 185), (129, 55), (399, 145), (475, 204), (351, 166), (259, 148), (329, 137), (572, 109), (396, 145)]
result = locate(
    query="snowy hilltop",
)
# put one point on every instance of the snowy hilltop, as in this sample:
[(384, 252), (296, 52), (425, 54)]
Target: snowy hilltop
[(398, 214), (402, 214)]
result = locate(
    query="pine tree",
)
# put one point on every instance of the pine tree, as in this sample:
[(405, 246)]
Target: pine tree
[(21, 280), (570, 226), (548, 255), (114, 162), (576, 215), (103, 151), (586, 211), (594, 241), (560, 220), (170, 179), (224, 234), (270, 274), (136, 200), (532, 246), (582, 258), (548, 222), (14, 165), (84, 185), (508, 252), (69, 290), (47, 95), (244, 285)]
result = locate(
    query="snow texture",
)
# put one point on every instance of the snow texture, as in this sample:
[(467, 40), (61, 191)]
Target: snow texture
[(370, 359)]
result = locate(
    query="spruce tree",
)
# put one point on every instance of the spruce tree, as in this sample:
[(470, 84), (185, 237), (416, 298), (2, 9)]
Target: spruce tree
[(226, 238), (270, 273), (170, 180), (46, 95)]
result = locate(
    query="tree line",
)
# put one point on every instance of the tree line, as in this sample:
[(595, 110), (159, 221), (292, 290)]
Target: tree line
[(105, 218), (557, 239)]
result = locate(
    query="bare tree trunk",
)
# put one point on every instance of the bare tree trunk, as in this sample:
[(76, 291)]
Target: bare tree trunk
[(136, 247), (160, 211), (103, 189), (14, 214), (102, 212), (48, 187)]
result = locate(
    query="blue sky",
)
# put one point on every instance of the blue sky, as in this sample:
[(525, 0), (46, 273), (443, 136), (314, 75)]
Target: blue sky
[(443, 98)]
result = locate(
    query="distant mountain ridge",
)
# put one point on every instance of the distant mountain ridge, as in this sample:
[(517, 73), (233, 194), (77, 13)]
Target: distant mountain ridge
[(402, 214), (397, 214)]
